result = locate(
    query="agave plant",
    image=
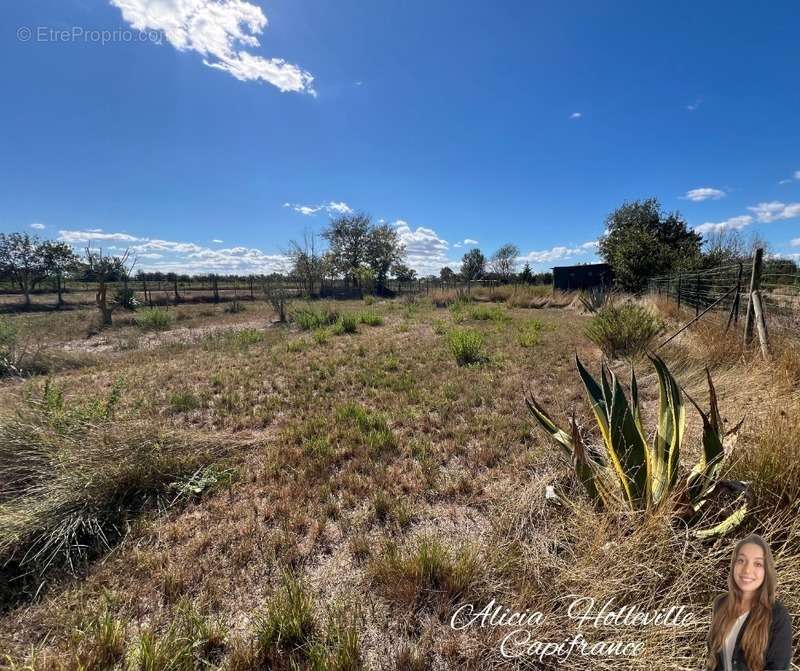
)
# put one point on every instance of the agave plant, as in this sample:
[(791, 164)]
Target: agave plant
[(639, 475)]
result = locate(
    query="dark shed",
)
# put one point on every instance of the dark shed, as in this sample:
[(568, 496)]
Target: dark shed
[(589, 276)]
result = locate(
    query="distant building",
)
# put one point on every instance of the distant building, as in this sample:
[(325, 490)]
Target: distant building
[(589, 276)]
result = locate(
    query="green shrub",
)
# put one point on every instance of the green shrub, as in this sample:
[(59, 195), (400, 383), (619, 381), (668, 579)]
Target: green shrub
[(370, 318), (245, 337), (346, 324), (369, 300), (309, 317), (153, 319), (624, 330), (530, 332), (125, 298), (484, 312), (466, 345)]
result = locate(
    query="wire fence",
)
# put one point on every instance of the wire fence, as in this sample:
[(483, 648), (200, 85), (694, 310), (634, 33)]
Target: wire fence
[(727, 289), (172, 291)]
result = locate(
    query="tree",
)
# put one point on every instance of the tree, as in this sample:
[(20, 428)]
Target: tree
[(526, 276), (384, 250), (641, 242), (348, 237), (307, 264), (59, 260), (503, 261), (403, 273), (104, 269), (447, 275), (23, 258), (473, 265)]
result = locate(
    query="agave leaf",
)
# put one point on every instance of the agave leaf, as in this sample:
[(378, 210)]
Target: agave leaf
[(741, 503), (705, 471), (669, 434), (731, 522), (597, 399), (637, 419), (559, 435), (627, 449), (585, 468)]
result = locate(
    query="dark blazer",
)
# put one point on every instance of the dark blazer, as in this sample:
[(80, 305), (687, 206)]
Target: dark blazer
[(779, 644)]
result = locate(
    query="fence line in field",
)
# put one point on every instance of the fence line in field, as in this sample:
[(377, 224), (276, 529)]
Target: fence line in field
[(207, 289), (755, 294)]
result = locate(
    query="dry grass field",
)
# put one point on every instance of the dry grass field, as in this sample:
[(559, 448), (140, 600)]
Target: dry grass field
[(222, 491)]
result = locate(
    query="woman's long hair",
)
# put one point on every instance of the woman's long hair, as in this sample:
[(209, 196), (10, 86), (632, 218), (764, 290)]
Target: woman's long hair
[(755, 637)]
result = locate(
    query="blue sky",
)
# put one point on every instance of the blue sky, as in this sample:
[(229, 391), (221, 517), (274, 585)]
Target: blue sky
[(228, 127)]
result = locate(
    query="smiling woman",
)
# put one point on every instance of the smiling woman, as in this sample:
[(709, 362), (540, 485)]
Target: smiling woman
[(750, 629)]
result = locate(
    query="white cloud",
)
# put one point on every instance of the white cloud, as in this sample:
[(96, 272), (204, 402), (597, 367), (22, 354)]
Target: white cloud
[(216, 29), (558, 253), (575, 115), (732, 224), (184, 257), (331, 208), (219, 242), (775, 211), (94, 234), (338, 208), (457, 244), (470, 241), (38, 226), (785, 181), (693, 106), (704, 193), (795, 242), (426, 252), (797, 174)]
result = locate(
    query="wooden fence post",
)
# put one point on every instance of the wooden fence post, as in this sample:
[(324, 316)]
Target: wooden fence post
[(761, 323), (755, 283)]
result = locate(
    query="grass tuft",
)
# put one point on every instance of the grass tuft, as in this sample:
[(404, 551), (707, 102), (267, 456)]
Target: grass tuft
[(466, 346), (624, 330)]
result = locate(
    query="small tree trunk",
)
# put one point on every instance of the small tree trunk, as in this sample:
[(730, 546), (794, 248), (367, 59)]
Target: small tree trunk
[(60, 290), (102, 304)]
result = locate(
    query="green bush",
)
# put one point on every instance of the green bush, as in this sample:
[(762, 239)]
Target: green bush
[(484, 312), (153, 319), (466, 345), (370, 318), (346, 324), (624, 330), (125, 298), (530, 332), (310, 317)]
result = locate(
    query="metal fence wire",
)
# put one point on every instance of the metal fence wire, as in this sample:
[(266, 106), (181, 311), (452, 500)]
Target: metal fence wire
[(726, 288)]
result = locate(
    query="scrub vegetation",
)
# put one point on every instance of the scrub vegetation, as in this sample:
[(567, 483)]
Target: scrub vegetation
[(236, 493)]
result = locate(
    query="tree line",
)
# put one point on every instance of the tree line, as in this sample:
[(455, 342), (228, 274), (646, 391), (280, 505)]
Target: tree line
[(640, 242)]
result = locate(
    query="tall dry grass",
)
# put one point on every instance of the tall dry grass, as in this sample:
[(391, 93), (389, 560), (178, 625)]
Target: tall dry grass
[(71, 475)]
